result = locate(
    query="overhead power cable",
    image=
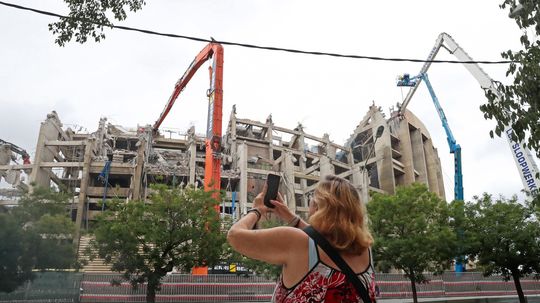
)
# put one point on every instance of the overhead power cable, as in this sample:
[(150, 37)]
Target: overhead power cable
[(270, 48)]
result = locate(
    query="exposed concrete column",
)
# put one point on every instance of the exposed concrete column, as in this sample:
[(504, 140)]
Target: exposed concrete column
[(47, 131), (364, 186), (242, 164), (136, 186), (330, 149), (192, 149), (385, 165), (232, 134), (270, 138), (326, 166), (350, 156), (434, 172), (385, 170), (406, 152), (287, 167), (101, 134), (360, 180), (419, 159), (84, 186), (302, 164), (356, 176)]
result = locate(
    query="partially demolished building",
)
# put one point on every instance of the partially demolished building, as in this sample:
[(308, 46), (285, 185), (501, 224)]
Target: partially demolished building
[(114, 162)]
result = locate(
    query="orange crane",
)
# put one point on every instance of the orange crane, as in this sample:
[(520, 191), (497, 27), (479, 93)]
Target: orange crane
[(212, 170)]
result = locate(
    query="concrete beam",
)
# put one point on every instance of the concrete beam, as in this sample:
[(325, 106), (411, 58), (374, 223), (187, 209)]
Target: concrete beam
[(16, 166), (258, 171), (112, 192), (96, 169), (262, 143), (312, 168), (64, 143), (306, 177), (60, 164)]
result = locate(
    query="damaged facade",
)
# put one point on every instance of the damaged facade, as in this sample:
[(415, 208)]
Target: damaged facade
[(114, 162)]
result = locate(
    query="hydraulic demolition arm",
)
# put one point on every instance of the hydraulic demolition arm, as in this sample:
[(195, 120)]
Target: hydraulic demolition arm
[(212, 171), (14, 148)]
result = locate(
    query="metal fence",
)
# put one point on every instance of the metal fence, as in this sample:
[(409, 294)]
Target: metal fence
[(59, 287), (180, 288), (452, 284), (97, 287)]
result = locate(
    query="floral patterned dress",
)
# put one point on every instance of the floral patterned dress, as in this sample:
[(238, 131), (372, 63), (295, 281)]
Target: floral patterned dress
[(325, 284)]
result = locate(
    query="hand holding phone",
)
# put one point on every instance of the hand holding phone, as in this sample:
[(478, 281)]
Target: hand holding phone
[(272, 186)]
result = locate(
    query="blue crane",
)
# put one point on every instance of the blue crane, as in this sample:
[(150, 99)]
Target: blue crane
[(522, 156), (407, 80)]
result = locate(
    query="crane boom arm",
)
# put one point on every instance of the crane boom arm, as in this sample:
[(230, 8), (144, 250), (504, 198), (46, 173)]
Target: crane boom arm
[(449, 135), (205, 54), (446, 41), (522, 156), (212, 167), (423, 70), (454, 147)]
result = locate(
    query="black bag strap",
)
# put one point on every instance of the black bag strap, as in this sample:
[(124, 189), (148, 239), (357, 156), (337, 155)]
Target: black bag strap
[(332, 253)]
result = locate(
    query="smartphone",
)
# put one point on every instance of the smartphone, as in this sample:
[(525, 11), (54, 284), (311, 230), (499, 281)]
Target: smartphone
[(272, 185)]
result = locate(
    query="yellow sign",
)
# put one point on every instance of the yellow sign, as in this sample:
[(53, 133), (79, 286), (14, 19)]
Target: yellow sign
[(232, 267)]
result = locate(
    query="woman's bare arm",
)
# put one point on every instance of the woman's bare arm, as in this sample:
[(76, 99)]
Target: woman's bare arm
[(272, 245)]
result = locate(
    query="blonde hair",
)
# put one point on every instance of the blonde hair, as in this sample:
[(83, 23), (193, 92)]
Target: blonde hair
[(341, 216)]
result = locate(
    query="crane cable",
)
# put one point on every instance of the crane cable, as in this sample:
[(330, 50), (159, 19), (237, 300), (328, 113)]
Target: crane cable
[(246, 45)]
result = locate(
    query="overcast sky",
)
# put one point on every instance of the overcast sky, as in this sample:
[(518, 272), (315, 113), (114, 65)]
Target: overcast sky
[(129, 76)]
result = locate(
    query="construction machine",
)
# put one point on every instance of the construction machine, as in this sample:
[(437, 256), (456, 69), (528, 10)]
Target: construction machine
[(524, 161), (14, 148), (408, 81), (212, 171)]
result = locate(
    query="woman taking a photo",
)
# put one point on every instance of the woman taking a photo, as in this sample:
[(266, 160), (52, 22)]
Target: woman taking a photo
[(309, 274)]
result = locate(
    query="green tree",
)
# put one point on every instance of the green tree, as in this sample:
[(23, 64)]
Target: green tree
[(88, 18), (16, 261), (177, 228), (37, 234), (412, 232), (519, 106), (505, 238), (45, 216)]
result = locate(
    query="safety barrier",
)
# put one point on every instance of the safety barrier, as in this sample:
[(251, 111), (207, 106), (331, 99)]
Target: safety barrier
[(97, 287), (180, 288), (450, 284), (59, 287)]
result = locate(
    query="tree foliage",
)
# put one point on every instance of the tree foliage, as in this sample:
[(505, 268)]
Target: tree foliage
[(504, 237), (16, 261), (37, 234), (412, 232), (45, 216), (178, 228), (89, 18), (519, 105)]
